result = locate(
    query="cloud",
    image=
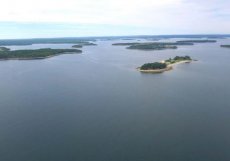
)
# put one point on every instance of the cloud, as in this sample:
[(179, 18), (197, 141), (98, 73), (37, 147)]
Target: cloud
[(148, 16), (78, 11)]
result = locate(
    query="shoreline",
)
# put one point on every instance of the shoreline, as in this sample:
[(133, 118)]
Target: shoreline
[(169, 67), (35, 58), (155, 70)]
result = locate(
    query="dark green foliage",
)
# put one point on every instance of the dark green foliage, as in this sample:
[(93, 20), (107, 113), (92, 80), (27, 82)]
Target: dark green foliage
[(182, 58), (35, 54), (86, 44), (77, 46), (197, 41), (4, 49), (178, 59), (126, 44), (152, 46), (153, 66), (45, 41)]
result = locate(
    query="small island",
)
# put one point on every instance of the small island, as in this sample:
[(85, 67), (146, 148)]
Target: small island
[(77, 46), (7, 54), (160, 67), (81, 44), (197, 41), (126, 44), (23, 42), (152, 45), (225, 46)]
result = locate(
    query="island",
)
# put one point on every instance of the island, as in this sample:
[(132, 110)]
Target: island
[(197, 41), (10, 42), (225, 46), (152, 45), (81, 44), (7, 54), (160, 67), (77, 46), (126, 44), (86, 44)]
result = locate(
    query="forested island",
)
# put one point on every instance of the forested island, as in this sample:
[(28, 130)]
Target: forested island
[(197, 41), (81, 44), (86, 43), (46, 41), (126, 44), (225, 46), (152, 45), (6, 53), (77, 46), (159, 67)]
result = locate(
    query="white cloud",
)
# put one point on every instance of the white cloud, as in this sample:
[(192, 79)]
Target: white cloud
[(79, 11), (186, 16)]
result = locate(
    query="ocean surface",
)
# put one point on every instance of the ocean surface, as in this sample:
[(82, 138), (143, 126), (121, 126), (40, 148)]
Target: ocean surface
[(96, 106)]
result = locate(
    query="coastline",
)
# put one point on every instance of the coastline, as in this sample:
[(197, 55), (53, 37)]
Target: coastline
[(35, 58), (169, 67), (155, 70)]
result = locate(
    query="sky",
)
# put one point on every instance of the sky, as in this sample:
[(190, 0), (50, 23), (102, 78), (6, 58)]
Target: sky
[(77, 18)]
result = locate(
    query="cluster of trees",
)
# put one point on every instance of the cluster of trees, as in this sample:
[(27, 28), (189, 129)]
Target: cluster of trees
[(126, 44), (77, 46), (86, 44), (45, 41), (30, 54), (178, 59), (81, 44), (151, 46), (197, 41), (152, 66), (4, 49)]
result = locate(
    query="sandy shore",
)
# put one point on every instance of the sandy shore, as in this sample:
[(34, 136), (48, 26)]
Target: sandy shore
[(169, 67)]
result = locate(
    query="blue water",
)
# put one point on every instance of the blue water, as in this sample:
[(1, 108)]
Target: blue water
[(95, 106)]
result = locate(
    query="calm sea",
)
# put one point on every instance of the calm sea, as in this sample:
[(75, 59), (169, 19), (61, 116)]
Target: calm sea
[(95, 106)]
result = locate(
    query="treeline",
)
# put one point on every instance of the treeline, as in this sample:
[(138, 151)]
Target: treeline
[(153, 66), (178, 59), (151, 46), (45, 41), (197, 41), (36, 54)]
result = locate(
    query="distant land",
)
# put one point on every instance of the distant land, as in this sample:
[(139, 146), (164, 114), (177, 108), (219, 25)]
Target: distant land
[(7, 54), (152, 46), (225, 46), (197, 41), (81, 44), (76, 40), (161, 45)]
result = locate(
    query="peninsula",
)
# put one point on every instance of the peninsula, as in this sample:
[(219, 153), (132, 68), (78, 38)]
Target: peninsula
[(7, 54), (160, 67)]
